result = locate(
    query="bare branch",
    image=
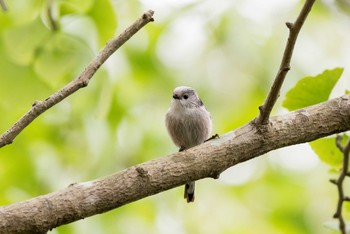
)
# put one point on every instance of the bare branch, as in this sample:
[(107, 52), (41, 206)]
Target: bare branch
[(294, 29), (338, 140), (82, 200), (344, 172), (39, 107)]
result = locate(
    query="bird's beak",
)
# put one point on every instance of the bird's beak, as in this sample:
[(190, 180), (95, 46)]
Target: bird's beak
[(175, 96)]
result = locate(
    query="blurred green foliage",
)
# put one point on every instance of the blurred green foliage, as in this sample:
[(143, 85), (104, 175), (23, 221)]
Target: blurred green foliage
[(328, 152), (228, 50)]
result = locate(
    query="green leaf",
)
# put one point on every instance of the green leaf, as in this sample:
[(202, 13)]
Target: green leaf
[(328, 152), (104, 17), (60, 56), (20, 13), (312, 89), (22, 42), (75, 6)]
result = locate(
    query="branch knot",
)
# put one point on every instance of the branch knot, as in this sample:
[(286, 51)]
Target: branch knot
[(289, 25)]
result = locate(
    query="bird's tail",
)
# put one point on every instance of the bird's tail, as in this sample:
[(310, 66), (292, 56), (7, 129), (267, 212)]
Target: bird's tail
[(189, 191)]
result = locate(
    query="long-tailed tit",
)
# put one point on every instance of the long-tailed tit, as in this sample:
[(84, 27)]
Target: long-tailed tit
[(188, 123)]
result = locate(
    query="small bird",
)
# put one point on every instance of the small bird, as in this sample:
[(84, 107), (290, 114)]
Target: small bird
[(188, 123)]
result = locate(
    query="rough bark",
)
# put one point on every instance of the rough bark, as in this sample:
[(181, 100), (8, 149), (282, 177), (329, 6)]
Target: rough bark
[(82, 200)]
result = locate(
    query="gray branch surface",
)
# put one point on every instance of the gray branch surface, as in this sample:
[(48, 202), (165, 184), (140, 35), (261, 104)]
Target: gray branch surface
[(82, 200), (39, 107)]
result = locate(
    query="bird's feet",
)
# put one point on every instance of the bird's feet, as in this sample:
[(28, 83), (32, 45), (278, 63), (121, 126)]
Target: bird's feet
[(212, 137)]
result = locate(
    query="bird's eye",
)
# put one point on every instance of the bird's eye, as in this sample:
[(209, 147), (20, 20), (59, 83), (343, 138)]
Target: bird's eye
[(185, 96)]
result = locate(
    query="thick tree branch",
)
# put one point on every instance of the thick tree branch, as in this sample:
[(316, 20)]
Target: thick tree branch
[(81, 81), (294, 29), (82, 200)]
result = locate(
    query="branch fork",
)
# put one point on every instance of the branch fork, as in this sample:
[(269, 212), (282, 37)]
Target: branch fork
[(294, 29), (339, 183)]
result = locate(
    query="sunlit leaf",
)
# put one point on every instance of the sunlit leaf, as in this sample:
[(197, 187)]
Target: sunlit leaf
[(312, 89), (103, 15), (75, 6), (20, 13), (22, 43), (60, 56), (327, 151)]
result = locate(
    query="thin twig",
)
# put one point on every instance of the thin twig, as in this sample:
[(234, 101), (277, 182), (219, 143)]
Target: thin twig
[(339, 183), (338, 140), (38, 107), (294, 29)]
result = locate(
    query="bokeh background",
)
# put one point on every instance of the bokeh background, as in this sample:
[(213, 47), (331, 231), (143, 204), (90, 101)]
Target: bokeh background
[(229, 51)]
